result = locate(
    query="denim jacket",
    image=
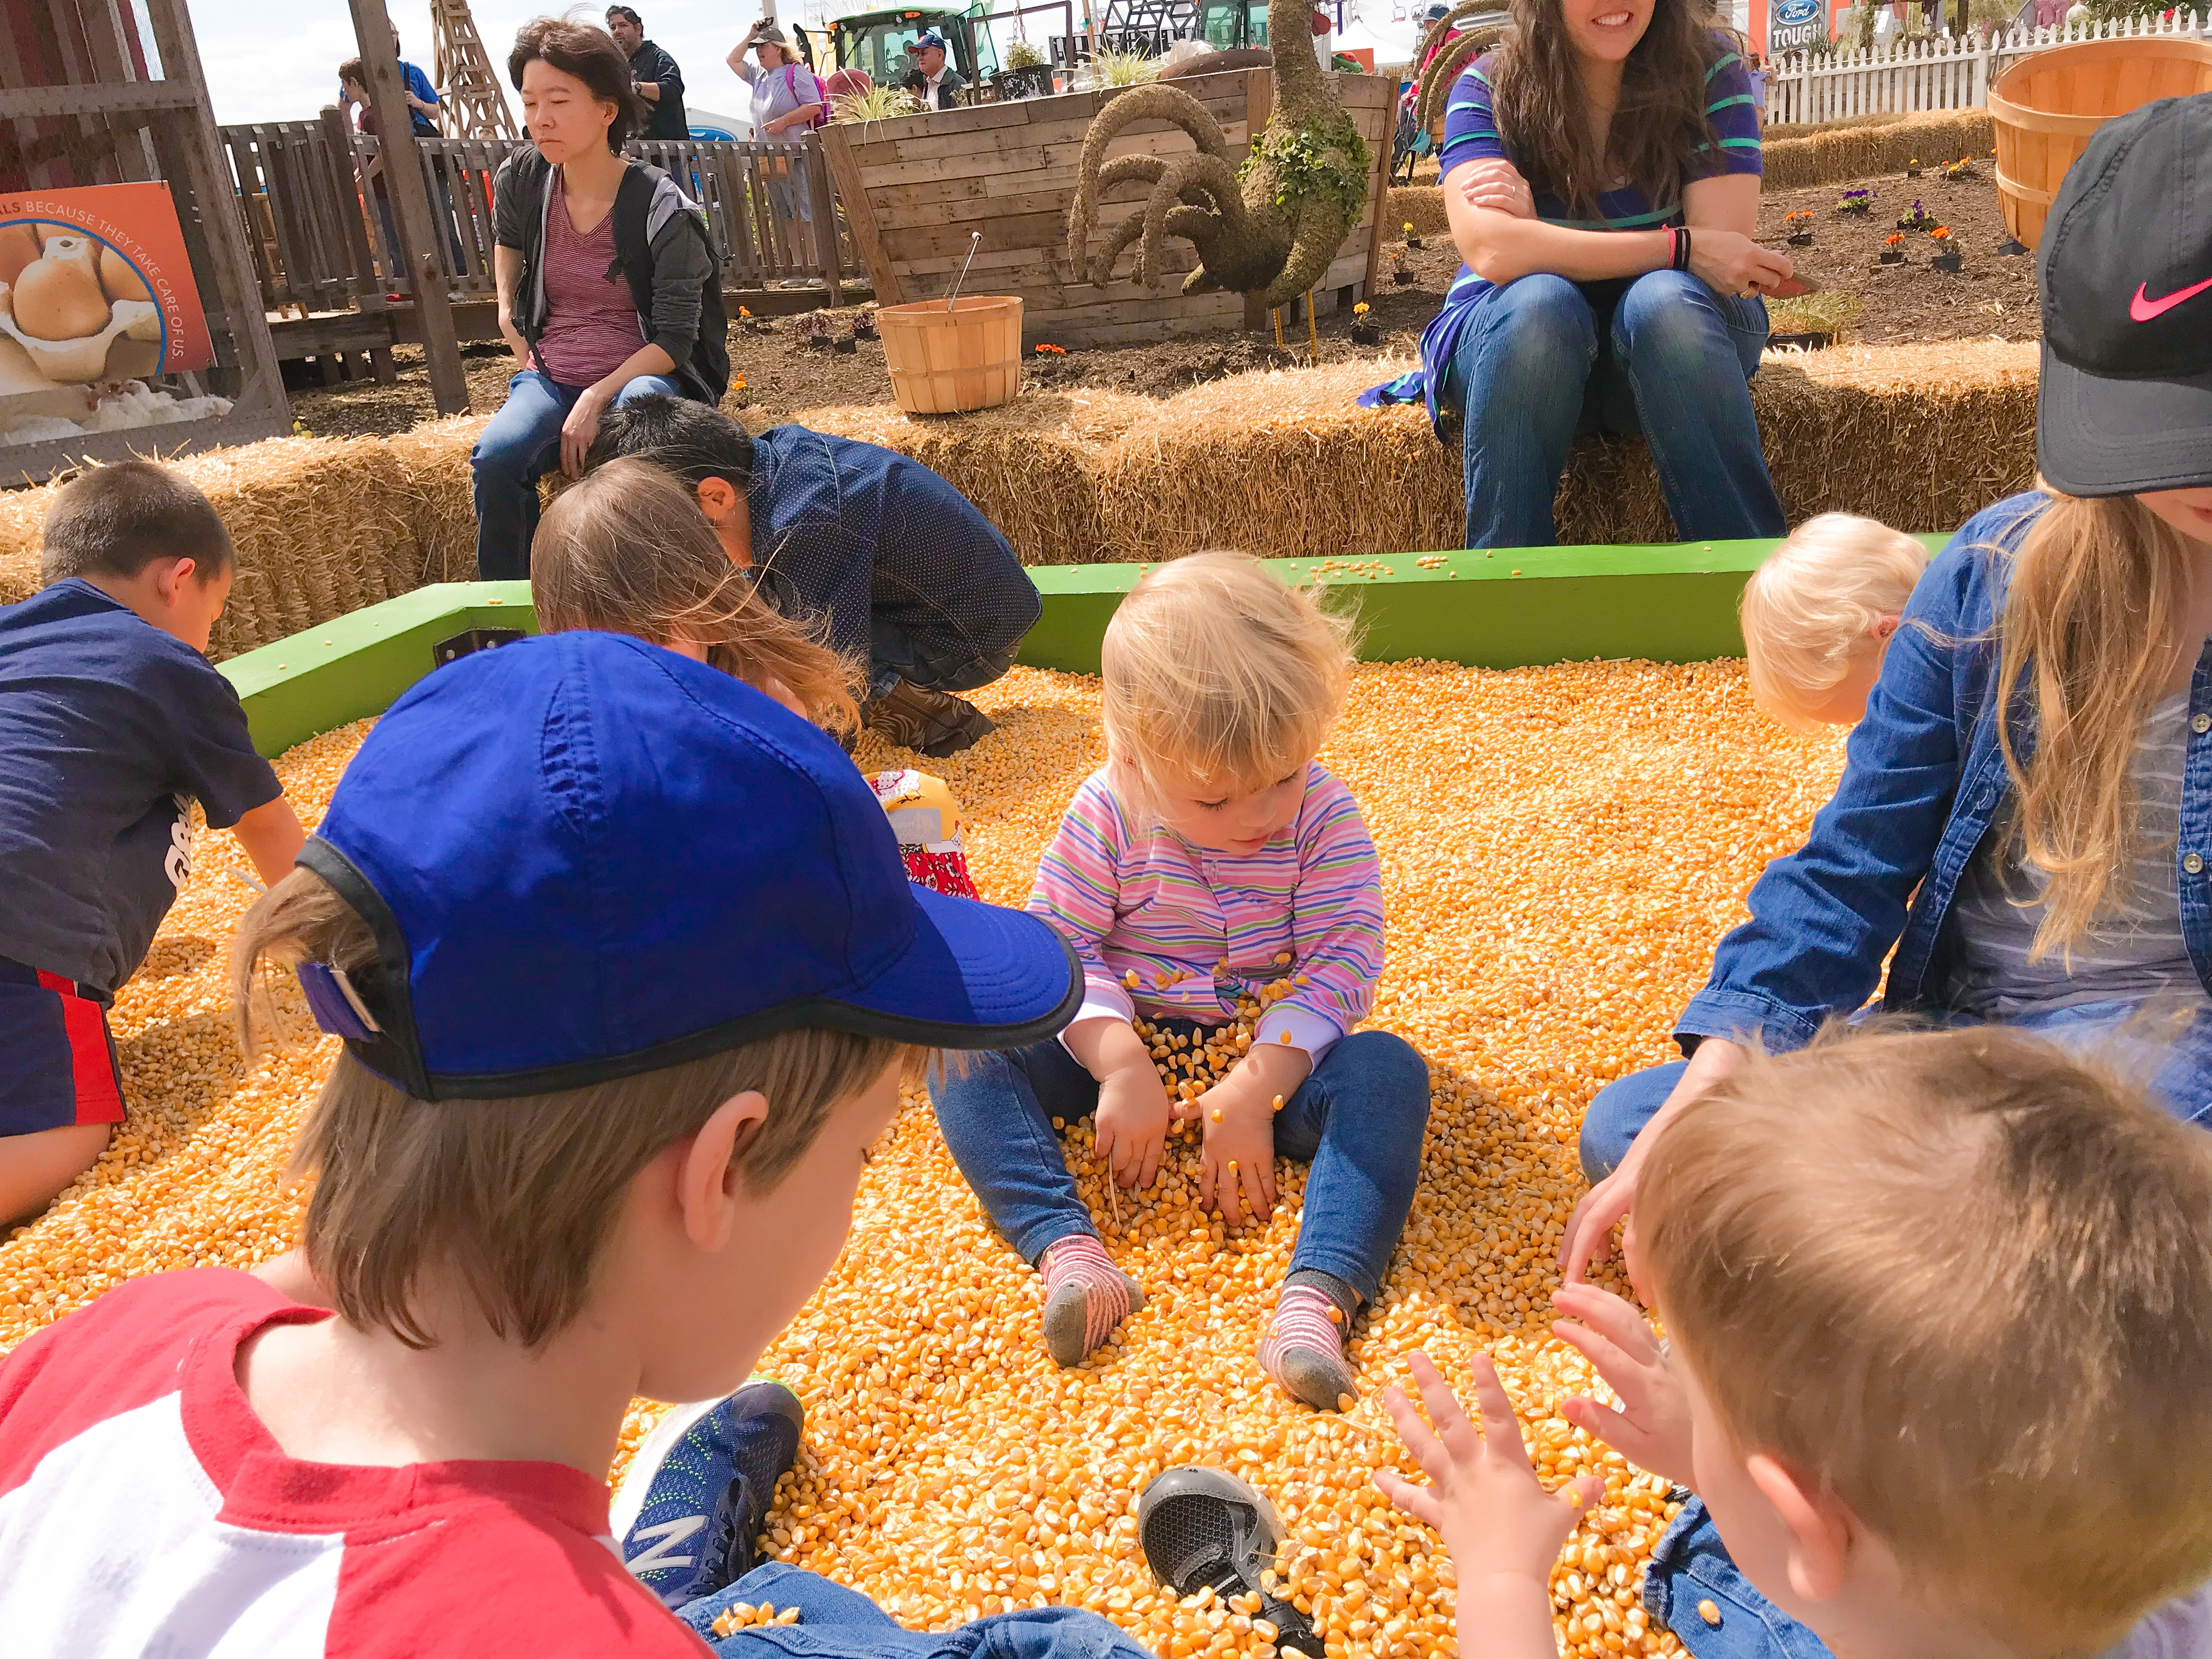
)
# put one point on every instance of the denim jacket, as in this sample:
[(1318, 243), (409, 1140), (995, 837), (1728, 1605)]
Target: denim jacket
[(1923, 779)]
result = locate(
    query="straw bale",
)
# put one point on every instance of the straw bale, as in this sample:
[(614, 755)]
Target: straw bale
[(314, 521), (22, 512), (1775, 131), (1861, 151), (1420, 205), (432, 462), (1030, 466), (1919, 436), (1338, 480)]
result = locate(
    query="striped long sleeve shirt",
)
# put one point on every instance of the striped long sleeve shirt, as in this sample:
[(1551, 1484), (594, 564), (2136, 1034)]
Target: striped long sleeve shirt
[(1200, 929)]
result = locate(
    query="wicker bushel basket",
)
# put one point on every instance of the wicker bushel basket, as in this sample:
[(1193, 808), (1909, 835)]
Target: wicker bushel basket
[(2045, 106), (947, 362)]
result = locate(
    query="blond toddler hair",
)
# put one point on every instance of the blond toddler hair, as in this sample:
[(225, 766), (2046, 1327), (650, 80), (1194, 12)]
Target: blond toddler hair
[(1963, 1281), (1816, 601), (1216, 671)]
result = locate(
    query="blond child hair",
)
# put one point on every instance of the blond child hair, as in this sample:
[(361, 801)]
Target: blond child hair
[(1963, 1282), (1216, 671), (1817, 601), (626, 551)]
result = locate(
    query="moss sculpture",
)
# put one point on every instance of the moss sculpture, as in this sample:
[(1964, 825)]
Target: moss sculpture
[(1269, 228)]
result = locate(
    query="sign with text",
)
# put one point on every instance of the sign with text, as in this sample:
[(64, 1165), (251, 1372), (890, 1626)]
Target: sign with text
[(1794, 25), (95, 285)]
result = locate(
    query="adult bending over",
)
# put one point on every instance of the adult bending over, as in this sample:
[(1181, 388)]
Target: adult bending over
[(1601, 174), (899, 571), (2026, 813), (608, 285)]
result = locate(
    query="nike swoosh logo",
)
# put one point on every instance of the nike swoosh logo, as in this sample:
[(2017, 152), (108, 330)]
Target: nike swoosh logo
[(2145, 310)]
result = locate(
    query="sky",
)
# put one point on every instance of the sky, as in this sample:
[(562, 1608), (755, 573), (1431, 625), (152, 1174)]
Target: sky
[(261, 68)]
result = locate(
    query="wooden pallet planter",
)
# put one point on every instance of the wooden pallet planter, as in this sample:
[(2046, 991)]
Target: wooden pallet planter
[(916, 188)]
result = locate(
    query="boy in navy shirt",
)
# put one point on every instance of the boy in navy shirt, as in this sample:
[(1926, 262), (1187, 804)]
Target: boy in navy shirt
[(112, 719)]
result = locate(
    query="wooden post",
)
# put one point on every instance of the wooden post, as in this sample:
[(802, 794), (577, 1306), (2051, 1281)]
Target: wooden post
[(825, 221), (837, 150), (1379, 206), (1259, 103), (420, 234)]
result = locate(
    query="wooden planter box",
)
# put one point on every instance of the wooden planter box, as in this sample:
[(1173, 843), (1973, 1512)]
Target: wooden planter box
[(916, 188)]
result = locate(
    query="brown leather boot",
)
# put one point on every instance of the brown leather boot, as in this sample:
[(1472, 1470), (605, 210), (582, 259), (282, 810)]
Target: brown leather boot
[(933, 723)]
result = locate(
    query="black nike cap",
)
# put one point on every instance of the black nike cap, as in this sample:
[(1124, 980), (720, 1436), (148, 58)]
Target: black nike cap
[(2126, 268)]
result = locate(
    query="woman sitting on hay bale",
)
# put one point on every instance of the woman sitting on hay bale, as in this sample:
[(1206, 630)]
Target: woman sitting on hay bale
[(1601, 175), (608, 286)]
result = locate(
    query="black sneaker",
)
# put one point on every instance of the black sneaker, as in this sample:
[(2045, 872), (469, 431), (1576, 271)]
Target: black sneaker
[(698, 1492), (1204, 1528)]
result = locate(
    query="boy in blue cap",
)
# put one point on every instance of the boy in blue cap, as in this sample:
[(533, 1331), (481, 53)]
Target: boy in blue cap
[(628, 970)]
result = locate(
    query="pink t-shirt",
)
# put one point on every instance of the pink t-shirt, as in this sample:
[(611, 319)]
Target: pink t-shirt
[(144, 1508), (591, 324)]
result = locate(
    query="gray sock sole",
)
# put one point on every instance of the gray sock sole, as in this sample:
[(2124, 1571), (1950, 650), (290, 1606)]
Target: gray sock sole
[(1064, 1320), (1319, 1379)]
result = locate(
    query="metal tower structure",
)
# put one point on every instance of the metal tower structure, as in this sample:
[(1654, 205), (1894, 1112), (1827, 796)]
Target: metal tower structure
[(471, 103)]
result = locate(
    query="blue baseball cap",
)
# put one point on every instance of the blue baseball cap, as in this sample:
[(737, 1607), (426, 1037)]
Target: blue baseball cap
[(928, 37), (584, 857)]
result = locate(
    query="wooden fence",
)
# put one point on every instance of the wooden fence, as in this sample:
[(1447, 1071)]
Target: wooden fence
[(320, 242), (1953, 72)]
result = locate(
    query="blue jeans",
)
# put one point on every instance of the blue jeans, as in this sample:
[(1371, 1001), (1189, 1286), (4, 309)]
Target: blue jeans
[(836, 1623), (1542, 358), (1689, 1565), (997, 1120), (2178, 1064), (519, 445)]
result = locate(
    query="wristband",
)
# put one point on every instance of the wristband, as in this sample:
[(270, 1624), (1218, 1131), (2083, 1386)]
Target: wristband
[(1681, 248)]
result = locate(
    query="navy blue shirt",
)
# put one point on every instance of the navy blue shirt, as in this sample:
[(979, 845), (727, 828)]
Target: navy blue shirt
[(108, 727), (903, 567)]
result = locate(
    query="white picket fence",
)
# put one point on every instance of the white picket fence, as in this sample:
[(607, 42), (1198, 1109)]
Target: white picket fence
[(1953, 72)]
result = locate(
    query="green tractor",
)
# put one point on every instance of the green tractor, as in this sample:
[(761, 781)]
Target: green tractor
[(881, 43)]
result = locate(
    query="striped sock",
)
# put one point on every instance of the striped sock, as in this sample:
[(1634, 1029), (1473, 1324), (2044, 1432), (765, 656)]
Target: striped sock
[(1303, 1350), (1085, 1297)]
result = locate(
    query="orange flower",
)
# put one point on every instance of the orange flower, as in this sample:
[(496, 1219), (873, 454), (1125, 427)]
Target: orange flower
[(1940, 232), (1043, 351)]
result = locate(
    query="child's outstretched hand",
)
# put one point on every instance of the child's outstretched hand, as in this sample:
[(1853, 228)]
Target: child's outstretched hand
[(1502, 1529), (1651, 1429)]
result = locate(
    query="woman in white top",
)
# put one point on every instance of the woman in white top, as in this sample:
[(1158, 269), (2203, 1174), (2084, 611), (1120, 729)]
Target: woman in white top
[(788, 101)]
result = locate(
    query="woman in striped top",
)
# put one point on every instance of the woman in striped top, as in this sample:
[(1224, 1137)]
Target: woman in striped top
[(1601, 174), (1211, 862)]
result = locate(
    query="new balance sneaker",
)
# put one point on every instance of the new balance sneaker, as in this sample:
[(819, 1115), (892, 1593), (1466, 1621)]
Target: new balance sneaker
[(1206, 1529), (698, 1492)]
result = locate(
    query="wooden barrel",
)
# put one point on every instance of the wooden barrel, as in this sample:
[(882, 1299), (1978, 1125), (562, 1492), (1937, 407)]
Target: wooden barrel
[(945, 362), (2046, 106)]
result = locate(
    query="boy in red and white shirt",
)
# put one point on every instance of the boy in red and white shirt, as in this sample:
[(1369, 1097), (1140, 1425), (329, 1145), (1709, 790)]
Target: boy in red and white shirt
[(627, 969)]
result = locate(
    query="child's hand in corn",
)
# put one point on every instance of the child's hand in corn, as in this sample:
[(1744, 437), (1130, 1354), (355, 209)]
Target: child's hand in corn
[(1132, 1122), (1236, 1173)]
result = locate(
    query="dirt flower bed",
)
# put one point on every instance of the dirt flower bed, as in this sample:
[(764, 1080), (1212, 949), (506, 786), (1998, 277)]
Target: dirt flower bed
[(1991, 296)]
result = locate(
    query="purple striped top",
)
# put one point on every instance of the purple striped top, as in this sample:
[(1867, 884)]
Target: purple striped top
[(1200, 928)]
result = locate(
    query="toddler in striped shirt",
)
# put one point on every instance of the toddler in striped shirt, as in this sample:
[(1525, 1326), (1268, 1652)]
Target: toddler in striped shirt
[(1213, 862)]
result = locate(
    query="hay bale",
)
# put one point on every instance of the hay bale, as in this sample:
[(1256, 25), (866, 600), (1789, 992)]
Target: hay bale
[(22, 512), (1919, 436), (1281, 463), (315, 521), (1861, 150), (1030, 465), (432, 462), (1422, 205), (1774, 131)]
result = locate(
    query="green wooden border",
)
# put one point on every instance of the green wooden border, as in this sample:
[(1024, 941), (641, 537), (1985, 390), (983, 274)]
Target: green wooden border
[(1507, 608)]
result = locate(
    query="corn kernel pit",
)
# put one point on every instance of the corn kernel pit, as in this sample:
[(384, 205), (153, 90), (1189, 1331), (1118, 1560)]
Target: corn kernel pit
[(1560, 848)]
